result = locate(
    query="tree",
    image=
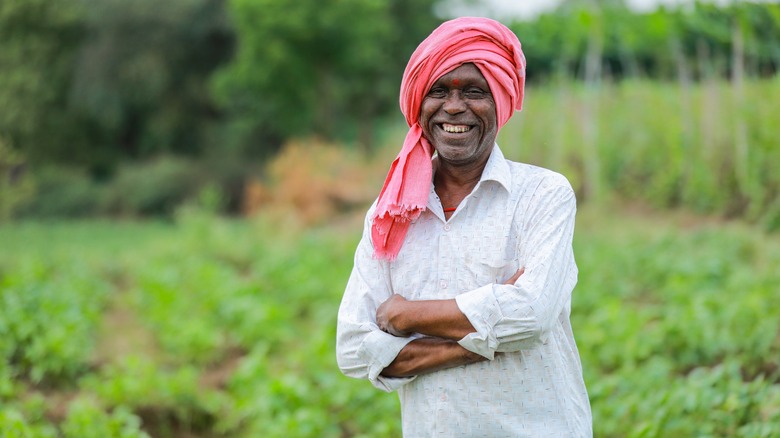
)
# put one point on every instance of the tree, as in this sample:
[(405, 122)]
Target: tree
[(38, 43), (316, 66), (141, 77), (90, 83)]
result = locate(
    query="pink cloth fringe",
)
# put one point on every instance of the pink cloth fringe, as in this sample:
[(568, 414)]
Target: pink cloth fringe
[(496, 51)]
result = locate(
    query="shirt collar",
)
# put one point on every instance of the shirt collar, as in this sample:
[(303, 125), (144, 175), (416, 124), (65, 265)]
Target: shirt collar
[(497, 169)]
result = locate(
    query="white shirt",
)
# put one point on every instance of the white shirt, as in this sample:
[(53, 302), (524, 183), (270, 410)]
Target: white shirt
[(518, 215)]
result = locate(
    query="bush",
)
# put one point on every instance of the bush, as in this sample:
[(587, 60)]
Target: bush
[(14, 425), (153, 188), (317, 179), (63, 192), (87, 419), (659, 142), (48, 317), (15, 185)]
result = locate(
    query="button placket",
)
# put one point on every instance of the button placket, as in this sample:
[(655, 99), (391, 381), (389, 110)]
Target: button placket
[(445, 264)]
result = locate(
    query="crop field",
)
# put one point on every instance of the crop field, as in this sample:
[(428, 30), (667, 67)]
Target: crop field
[(209, 327)]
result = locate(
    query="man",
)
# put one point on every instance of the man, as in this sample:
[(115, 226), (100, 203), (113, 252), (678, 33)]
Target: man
[(461, 290)]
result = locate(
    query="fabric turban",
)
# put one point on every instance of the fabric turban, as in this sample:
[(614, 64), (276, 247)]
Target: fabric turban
[(496, 52)]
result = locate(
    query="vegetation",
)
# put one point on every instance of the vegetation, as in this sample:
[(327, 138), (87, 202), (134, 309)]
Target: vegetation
[(319, 67), (88, 85), (192, 324), (209, 327), (604, 39), (702, 146), (94, 96)]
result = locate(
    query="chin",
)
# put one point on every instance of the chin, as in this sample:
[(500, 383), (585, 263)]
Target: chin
[(461, 154), (456, 157)]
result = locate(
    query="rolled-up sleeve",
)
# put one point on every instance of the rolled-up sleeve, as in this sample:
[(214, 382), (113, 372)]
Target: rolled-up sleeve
[(520, 316), (362, 349)]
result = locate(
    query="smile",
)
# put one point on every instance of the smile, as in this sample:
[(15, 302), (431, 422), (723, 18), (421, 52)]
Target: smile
[(455, 129)]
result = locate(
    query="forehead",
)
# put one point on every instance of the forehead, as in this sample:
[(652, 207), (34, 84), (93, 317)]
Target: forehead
[(466, 73)]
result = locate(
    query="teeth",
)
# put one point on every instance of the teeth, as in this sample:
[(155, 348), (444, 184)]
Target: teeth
[(457, 129)]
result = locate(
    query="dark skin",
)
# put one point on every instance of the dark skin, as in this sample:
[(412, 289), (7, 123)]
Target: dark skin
[(458, 117), (440, 320)]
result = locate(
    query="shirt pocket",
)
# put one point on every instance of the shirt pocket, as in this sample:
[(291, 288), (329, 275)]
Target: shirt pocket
[(500, 268), (487, 269)]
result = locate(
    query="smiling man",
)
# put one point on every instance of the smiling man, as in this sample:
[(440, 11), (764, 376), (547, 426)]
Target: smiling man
[(460, 295)]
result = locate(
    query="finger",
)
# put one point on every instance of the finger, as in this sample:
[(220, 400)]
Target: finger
[(514, 278)]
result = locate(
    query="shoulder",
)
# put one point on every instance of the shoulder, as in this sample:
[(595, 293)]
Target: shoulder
[(543, 195), (529, 179)]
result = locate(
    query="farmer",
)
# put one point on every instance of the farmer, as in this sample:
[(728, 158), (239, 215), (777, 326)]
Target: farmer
[(460, 295)]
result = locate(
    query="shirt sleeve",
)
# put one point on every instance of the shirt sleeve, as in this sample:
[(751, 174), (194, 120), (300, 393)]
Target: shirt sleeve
[(521, 316), (362, 349)]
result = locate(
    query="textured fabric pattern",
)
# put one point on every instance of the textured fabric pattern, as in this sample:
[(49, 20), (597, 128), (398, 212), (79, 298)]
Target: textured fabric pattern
[(495, 50), (517, 215)]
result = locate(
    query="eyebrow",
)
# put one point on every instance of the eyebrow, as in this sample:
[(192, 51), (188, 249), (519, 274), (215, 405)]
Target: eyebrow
[(469, 80)]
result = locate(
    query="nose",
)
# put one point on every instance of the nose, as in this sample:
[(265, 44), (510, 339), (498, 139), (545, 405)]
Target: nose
[(454, 103)]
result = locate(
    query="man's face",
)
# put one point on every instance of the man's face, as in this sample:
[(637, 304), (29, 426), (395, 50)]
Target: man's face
[(458, 116)]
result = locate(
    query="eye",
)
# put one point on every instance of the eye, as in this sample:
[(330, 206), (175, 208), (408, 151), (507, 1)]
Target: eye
[(437, 92), (475, 92)]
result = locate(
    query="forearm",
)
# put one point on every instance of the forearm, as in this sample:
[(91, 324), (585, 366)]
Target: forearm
[(426, 355), (438, 318)]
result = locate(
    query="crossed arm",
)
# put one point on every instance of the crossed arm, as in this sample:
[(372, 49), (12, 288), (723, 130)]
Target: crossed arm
[(443, 324)]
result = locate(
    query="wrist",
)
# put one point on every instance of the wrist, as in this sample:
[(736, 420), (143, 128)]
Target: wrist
[(399, 317), (471, 357)]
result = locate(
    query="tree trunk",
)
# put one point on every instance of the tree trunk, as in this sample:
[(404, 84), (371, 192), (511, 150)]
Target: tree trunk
[(590, 119)]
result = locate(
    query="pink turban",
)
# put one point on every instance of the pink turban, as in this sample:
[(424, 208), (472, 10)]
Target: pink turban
[(495, 50)]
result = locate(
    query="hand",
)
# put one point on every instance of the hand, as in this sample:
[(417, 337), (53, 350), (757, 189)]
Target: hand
[(387, 313), (471, 357), (514, 278)]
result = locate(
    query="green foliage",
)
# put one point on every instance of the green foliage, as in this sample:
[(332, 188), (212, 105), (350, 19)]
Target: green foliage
[(49, 313), (86, 419), (141, 77), (166, 398), (313, 66), (90, 85), (672, 324), (87, 84), (39, 41), (14, 425), (685, 308), (111, 91), (664, 143), (663, 44), (155, 187), (16, 188), (63, 192)]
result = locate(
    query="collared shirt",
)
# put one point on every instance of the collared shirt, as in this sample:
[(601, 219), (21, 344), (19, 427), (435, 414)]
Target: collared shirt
[(518, 215)]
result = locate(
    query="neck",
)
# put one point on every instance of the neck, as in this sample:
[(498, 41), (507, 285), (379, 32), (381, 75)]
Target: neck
[(454, 183), (449, 179), (457, 177)]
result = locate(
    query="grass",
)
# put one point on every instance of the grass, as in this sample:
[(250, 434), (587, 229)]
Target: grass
[(210, 327), (706, 147)]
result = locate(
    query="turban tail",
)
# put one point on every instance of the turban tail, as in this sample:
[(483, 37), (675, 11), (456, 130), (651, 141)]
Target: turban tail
[(496, 52)]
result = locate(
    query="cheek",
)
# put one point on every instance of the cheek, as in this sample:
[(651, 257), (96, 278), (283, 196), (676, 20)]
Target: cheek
[(490, 121), (426, 112), (427, 108), (491, 118)]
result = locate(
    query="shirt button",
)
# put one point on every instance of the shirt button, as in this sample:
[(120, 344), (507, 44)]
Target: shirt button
[(443, 284), (447, 227)]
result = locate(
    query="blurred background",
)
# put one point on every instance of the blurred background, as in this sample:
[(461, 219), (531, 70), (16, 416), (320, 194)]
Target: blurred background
[(183, 184)]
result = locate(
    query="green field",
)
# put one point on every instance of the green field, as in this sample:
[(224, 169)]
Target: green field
[(208, 327)]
